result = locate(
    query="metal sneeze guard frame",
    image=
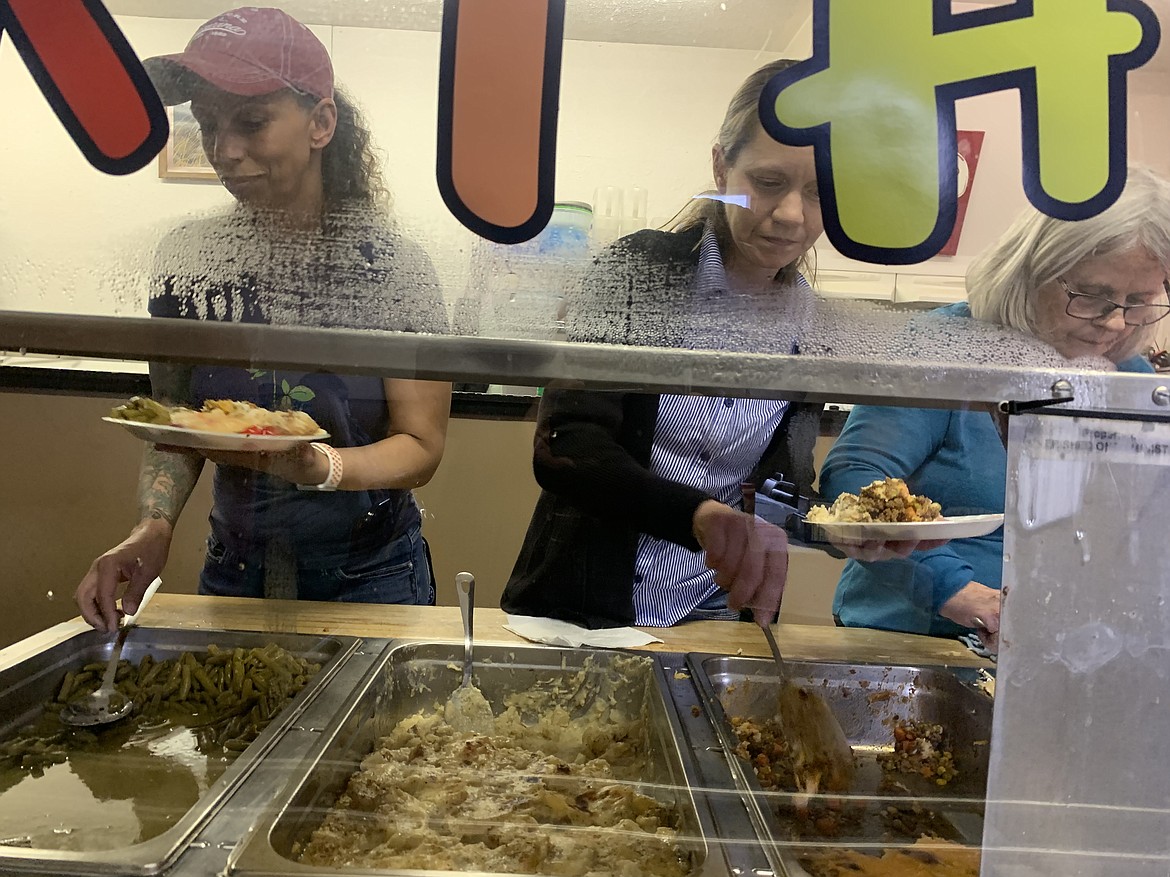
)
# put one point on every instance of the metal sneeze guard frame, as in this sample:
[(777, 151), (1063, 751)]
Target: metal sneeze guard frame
[(1049, 810), (571, 364)]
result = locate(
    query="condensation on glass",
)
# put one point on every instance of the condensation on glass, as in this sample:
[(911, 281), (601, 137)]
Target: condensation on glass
[(643, 93), (1076, 762)]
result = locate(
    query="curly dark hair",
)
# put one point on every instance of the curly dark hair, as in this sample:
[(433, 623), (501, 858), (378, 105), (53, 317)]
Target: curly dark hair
[(350, 166)]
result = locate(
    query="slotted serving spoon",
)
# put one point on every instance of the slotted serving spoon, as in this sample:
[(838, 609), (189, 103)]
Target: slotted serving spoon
[(467, 709), (824, 759), (106, 704)]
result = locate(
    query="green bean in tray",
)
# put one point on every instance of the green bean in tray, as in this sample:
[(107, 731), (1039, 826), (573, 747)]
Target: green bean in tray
[(226, 696)]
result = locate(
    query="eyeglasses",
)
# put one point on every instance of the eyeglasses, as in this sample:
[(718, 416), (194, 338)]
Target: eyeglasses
[(1096, 307)]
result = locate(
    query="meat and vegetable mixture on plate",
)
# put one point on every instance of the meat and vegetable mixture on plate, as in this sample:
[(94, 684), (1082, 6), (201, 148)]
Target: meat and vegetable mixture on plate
[(887, 500)]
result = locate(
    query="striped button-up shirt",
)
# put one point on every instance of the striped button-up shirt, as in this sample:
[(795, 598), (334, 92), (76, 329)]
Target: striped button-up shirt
[(712, 444)]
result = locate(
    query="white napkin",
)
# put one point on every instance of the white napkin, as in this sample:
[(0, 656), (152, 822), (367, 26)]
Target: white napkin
[(562, 633)]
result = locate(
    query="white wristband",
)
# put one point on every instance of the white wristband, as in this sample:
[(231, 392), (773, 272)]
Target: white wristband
[(333, 477)]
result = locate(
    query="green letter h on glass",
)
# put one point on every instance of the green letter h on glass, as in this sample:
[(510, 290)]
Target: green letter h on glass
[(877, 101)]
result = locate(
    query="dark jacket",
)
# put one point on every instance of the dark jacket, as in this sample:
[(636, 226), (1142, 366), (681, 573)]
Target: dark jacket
[(592, 452)]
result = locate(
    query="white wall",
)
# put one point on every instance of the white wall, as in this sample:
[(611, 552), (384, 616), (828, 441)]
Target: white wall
[(630, 115), (1149, 120)]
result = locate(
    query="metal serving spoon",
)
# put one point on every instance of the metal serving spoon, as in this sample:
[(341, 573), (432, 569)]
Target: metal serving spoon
[(824, 758), (467, 709), (465, 585), (107, 704)]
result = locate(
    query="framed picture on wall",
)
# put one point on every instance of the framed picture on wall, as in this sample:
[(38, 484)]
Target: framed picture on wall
[(183, 158)]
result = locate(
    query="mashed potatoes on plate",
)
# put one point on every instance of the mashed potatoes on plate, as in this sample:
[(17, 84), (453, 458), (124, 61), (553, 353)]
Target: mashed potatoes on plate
[(223, 415)]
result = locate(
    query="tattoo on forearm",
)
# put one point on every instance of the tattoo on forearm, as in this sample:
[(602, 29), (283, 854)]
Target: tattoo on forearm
[(160, 515), (165, 483)]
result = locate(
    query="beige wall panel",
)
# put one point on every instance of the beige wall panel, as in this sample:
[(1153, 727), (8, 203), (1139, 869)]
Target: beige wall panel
[(477, 507), (68, 496)]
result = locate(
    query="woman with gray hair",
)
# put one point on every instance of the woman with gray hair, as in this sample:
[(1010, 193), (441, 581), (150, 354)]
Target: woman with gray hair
[(1089, 288), (1093, 288)]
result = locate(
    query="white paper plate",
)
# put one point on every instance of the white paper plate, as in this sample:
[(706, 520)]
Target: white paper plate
[(212, 441), (962, 527)]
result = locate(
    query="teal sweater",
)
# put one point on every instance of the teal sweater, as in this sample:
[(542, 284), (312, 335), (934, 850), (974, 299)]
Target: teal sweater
[(957, 459)]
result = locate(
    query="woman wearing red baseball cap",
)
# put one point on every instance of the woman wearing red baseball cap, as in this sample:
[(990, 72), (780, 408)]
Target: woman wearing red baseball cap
[(309, 242), (254, 65)]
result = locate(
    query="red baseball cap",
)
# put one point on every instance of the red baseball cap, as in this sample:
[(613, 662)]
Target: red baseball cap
[(248, 51)]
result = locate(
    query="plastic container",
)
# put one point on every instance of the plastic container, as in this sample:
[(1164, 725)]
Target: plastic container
[(635, 217), (520, 288), (567, 233), (607, 214)]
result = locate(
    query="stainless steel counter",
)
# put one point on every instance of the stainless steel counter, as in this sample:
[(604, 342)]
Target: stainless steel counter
[(255, 820)]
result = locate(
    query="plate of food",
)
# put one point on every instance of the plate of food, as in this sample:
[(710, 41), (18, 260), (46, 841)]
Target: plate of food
[(886, 510), (221, 425)]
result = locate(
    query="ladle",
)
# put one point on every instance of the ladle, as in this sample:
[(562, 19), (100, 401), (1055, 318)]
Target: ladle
[(107, 704)]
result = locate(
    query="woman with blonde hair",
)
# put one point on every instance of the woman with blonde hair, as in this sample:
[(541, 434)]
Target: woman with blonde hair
[(640, 518)]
